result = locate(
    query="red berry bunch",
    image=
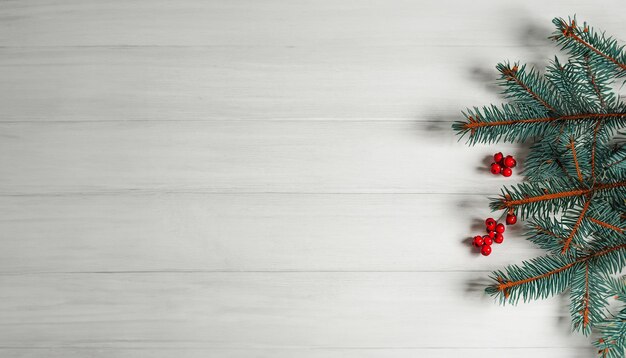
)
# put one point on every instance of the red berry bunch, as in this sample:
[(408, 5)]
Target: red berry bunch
[(494, 234), (503, 165)]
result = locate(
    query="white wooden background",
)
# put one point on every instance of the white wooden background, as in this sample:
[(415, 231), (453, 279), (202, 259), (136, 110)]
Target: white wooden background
[(260, 178)]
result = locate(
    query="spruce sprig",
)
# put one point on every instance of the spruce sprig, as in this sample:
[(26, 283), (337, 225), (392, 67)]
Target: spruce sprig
[(573, 198)]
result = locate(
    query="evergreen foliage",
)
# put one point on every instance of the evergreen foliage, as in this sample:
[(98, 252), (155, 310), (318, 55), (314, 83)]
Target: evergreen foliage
[(573, 198)]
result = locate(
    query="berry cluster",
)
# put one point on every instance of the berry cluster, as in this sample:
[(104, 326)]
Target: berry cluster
[(495, 233), (503, 165)]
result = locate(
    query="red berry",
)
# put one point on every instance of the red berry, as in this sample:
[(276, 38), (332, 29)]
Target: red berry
[(491, 233), (486, 250), (478, 241), (498, 239), (507, 172), (500, 228), (511, 219), (487, 240), (498, 157), (490, 224), (509, 162), (495, 168)]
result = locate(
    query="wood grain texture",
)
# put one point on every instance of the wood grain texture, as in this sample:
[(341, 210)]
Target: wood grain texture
[(267, 310), (260, 178), (296, 23), (224, 60), (513, 352), (240, 156), (251, 232), (233, 83)]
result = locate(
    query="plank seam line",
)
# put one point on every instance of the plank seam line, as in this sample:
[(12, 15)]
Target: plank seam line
[(147, 272), (291, 348), (289, 46), (137, 192), (230, 120)]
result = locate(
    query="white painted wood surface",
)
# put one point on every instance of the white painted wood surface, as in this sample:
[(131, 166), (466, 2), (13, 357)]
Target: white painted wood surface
[(259, 178)]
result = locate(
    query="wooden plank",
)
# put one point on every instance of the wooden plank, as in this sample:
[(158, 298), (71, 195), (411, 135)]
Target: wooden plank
[(509, 352), (296, 23), (154, 161), (269, 310), (242, 156), (402, 72), (232, 83), (248, 232)]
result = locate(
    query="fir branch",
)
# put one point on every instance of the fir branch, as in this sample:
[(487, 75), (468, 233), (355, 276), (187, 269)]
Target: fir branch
[(589, 297), (594, 148), (613, 331), (585, 310), (513, 123), (573, 149), (569, 81), (525, 87), (547, 233), (574, 196), (474, 123), (574, 230), (544, 162), (541, 268), (506, 201), (616, 162), (587, 42), (594, 82), (606, 225)]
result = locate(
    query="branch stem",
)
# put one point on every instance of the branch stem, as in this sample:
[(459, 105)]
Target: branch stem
[(576, 117), (504, 286), (507, 204), (570, 33)]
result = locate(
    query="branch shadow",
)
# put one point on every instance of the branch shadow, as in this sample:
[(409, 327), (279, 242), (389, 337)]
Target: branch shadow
[(436, 122), (476, 285)]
